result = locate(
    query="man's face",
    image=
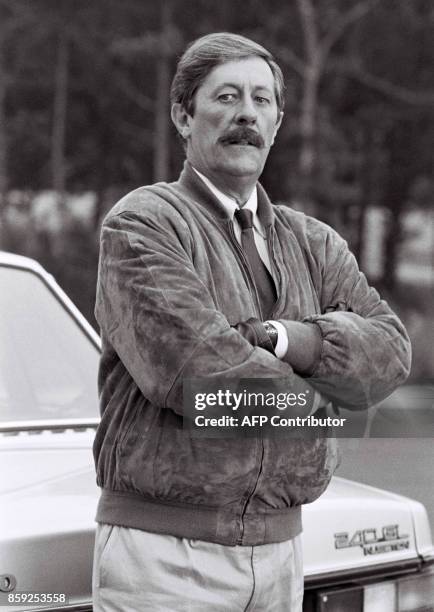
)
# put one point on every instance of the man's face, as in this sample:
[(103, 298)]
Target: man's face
[(235, 121)]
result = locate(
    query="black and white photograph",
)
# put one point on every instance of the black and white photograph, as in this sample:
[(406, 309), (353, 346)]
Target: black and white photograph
[(216, 298)]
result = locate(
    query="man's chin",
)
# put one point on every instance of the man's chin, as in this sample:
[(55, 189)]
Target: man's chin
[(242, 161)]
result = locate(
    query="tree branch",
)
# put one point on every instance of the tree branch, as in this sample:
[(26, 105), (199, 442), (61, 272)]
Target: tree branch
[(351, 16), (309, 27), (18, 18), (288, 56), (414, 98), (138, 133), (397, 92), (132, 92)]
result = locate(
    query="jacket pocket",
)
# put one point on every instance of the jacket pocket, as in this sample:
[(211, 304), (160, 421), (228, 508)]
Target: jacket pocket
[(162, 461), (137, 449), (206, 471), (296, 471)]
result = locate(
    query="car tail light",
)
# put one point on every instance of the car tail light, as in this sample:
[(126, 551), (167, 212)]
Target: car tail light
[(408, 594)]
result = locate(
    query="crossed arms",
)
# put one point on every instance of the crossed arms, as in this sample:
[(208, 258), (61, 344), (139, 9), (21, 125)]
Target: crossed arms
[(162, 321)]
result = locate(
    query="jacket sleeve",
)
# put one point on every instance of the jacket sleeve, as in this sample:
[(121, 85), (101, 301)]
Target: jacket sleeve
[(159, 316), (366, 352)]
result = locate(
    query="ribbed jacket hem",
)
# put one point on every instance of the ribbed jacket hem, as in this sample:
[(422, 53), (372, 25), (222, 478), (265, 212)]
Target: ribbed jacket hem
[(210, 524)]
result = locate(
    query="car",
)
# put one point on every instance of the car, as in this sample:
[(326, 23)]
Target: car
[(48, 415), (365, 549)]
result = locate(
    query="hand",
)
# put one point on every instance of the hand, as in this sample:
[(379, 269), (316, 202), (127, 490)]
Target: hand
[(253, 331)]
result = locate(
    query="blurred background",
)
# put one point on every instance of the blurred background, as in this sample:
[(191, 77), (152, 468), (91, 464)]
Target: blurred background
[(84, 118)]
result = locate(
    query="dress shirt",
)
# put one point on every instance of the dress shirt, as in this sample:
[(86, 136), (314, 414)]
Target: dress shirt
[(230, 205)]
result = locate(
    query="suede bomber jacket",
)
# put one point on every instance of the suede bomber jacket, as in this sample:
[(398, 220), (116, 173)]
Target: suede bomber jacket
[(171, 285)]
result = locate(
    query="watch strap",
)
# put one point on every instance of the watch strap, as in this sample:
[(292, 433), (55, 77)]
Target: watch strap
[(272, 332)]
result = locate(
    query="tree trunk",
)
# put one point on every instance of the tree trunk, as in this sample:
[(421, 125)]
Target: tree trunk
[(308, 128), (58, 171), (364, 177), (161, 129), (398, 178), (3, 144), (317, 51), (309, 103)]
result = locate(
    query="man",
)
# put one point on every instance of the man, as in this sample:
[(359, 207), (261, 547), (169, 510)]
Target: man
[(191, 288)]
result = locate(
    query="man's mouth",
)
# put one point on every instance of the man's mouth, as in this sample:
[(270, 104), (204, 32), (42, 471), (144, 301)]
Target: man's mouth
[(243, 142)]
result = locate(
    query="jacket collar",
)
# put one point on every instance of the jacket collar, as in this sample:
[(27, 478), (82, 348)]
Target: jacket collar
[(190, 181)]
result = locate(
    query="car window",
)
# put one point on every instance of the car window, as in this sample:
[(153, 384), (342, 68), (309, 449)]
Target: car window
[(48, 365)]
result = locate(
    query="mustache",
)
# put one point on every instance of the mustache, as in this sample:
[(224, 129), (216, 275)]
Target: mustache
[(243, 133)]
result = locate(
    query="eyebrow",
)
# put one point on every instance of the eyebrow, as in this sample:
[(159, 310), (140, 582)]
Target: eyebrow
[(236, 86)]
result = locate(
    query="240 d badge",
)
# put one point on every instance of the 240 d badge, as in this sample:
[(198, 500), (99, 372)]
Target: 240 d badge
[(371, 543)]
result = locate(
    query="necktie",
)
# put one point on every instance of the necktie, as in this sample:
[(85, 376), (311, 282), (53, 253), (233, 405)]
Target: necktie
[(264, 282)]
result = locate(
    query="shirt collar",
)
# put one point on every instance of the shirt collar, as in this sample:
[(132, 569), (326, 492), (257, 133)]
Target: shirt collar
[(229, 203)]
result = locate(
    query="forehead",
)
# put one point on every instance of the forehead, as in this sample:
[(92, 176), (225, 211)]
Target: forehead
[(252, 72)]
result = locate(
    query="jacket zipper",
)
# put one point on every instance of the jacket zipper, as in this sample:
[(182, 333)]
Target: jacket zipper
[(256, 303), (254, 292)]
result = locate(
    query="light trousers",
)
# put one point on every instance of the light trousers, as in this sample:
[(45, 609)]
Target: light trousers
[(137, 571)]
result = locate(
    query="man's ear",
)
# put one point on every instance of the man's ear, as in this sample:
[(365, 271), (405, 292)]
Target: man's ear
[(278, 124), (181, 119)]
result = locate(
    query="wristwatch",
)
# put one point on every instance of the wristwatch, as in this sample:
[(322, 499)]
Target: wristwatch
[(272, 332)]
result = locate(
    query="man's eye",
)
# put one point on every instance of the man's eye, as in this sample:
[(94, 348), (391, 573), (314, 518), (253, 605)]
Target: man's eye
[(227, 97), (262, 100)]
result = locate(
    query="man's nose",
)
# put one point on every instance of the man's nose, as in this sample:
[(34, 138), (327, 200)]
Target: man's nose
[(247, 113)]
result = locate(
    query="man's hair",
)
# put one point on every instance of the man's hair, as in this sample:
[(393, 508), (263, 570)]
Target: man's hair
[(212, 50)]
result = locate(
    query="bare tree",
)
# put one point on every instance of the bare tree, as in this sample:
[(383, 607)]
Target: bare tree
[(3, 134), (161, 112), (13, 17), (162, 46), (311, 68), (58, 132)]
